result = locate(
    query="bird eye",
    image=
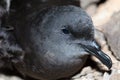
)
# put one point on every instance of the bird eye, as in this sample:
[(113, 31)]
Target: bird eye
[(65, 31)]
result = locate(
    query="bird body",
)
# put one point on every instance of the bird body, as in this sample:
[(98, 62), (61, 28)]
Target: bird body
[(51, 52), (56, 42)]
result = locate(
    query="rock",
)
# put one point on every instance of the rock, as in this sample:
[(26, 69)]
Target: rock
[(112, 33), (86, 3), (100, 37), (4, 77), (105, 11), (114, 75), (90, 6), (91, 10)]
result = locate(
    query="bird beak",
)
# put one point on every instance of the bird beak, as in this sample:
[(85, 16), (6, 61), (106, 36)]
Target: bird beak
[(94, 50)]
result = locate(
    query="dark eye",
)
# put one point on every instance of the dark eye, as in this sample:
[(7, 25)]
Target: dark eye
[(65, 31)]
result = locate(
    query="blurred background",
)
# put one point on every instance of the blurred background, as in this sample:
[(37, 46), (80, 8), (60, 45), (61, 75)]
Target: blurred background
[(106, 19)]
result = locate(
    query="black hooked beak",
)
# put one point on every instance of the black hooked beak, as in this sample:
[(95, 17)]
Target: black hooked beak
[(96, 51)]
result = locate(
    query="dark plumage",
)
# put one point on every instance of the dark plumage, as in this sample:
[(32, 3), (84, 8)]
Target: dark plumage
[(55, 42)]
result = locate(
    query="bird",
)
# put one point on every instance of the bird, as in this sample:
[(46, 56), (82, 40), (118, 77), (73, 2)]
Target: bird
[(54, 43)]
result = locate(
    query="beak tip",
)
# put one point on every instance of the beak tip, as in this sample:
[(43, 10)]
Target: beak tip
[(110, 64), (108, 61)]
